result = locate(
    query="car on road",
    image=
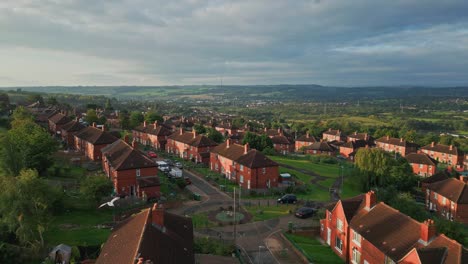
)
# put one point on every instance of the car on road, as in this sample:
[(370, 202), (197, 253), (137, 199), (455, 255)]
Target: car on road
[(152, 155), (178, 165), (169, 161), (175, 173), (187, 180), (163, 166), (288, 198), (305, 212)]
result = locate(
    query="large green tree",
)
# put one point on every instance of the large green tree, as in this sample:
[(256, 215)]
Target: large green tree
[(151, 116), (91, 116), (94, 188), (214, 135), (258, 142), (136, 118)]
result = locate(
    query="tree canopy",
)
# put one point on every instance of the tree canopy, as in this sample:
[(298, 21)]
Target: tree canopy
[(258, 142)]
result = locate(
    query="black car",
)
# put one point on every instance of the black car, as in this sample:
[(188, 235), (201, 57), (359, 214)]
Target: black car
[(305, 212), (288, 198)]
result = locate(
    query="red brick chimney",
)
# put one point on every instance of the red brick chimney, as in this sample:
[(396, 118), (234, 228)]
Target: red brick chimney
[(126, 138), (144, 123), (228, 142), (155, 124), (463, 178), (246, 148), (181, 131), (94, 124), (428, 231), (329, 129), (388, 137), (134, 144), (194, 132), (157, 215), (401, 139), (103, 128), (279, 130), (451, 147), (370, 200), (432, 144), (307, 135)]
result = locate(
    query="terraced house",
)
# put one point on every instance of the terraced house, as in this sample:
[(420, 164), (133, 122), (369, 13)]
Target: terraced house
[(131, 172), (190, 146), (397, 145), (449, 199), (422, 164), (361, 231), (56, 121), (91, 140), (334, 135), (450, 155), (68, 132), (304, 141), (154, 135)]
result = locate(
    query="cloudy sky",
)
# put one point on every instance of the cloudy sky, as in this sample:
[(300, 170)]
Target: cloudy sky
[(161, 42)]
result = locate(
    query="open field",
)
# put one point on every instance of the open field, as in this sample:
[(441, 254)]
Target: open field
[(263, 212), (328, 170)]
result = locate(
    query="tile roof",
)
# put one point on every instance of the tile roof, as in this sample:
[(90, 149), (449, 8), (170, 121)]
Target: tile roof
[(189, 139), (321, 146), (361, 136), (420, 158), (396, 141), (432, 255), (307, 138), (456, 254), (452, 189), (59, 119), (280, 139), (122, 156), (233, 152), (439, 176), (160, 130), (354, 144), (138, 237), (443, 149), (256, 159), (334, 132), (72, 126), (392, 232), (144, 182), (95, 136), (351, 206)]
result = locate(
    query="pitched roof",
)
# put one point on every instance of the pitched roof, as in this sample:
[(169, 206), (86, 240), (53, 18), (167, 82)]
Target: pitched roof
[(392, 232), (233, 152), (96, 136), (122, 156), (72, 126), (354, 144), (59, 119), (456, 254), (256, 159), (432, 255), (420, 158), (307, 138), (351, 206), (138, 237), (439, 176), (443, 149), (280, 139), (452, 189), (144, 182), (189, 139), (334, 132), (396, 141), (361, 136), (321, 146), (160, 130)]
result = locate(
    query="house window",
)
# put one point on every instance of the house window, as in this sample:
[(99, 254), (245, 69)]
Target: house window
[(338, 244), (264, 170), (241, 167), (339, 224), (138, 172), (356, 256), (241, 179), (420, 166), (356, 238)]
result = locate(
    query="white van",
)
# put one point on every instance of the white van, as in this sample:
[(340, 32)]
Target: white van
[(163, 166)]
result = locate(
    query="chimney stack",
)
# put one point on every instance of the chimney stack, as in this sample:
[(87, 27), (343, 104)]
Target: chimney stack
[(194, 132), (157, 215), (126, 138), (144, 123), (428, 231), (432, 144), (246, 148), (103, 128), (401, 139), (451, 147), (463, 178), (155, 124), (265, 129), (228, 142), (307, 135), (370, 200), (388, 137), (181, 131), (134, 144), (94, 124), (279, 130)]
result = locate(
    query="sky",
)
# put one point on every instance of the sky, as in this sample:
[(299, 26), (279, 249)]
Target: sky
[(161, 42)]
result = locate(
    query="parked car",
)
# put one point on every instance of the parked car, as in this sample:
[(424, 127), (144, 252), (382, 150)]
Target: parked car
[(187, 180), (151, 154), (175, 173), (169, 161), (163, 166), (288, 198), (305, 212), (178, 165)]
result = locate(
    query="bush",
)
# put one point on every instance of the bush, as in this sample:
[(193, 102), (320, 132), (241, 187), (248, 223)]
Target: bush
[(94, 188), (181, 183)]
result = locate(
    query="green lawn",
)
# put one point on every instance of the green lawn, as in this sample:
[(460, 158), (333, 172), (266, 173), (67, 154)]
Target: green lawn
[(201, 220), (313, 191), (350, 188), (264, 212), (328, 170), (79, 227), (314, 250)]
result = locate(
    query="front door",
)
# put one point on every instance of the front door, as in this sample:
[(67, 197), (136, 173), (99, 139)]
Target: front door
[(328, 235)]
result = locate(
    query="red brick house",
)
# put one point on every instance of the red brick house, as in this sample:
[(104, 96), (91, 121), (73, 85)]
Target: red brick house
[(254, 170), (397, 145), (450, 155), (422, 164), (224, 156), (333, 135), (449, 199), (154, 135), (91, 140), (226, 128), (151, 236), (56, 122), (360, 230), (320, 148), (282, 144), (348, 150), (68, 132), (361, 136), (131, 172), (438, 176), (304, 141), (190, 146)]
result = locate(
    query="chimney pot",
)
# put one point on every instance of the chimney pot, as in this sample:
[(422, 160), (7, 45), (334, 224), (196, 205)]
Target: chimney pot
[(388, 137), (228, 142), (432, 144), (155, 124), (126, 138), (144, 123), (103, 128), (94, 124), (157, 215), (370, 200), (307, 135), (428, 230), (401, 139), (181, 130), (246, 148), (134, 144), (451, 147), (463, 178)]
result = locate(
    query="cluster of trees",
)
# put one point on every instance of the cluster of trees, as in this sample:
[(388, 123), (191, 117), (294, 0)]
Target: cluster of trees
[(258, 142)]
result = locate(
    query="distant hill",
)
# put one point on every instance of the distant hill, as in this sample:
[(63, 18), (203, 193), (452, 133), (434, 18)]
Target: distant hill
[(283, 92)]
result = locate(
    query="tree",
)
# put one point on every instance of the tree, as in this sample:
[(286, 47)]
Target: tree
[(257, 142), (52, 100), (136, 118), (26, 145), (214, 135), (94, 188), (34, 98), (200, 129), (151, 116), (91, 116), (108, 105), (26, 205), (124, 120)]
